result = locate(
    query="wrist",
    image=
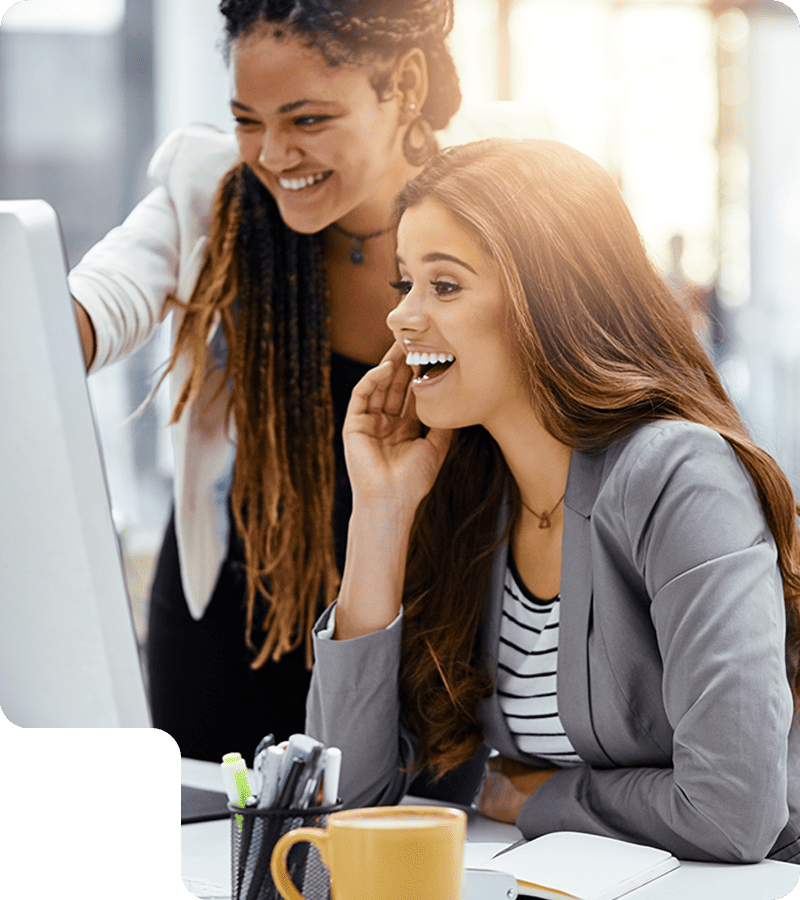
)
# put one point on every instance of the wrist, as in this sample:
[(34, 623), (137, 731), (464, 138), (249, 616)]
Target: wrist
[(372, 582), (376, 511), (86, 332)]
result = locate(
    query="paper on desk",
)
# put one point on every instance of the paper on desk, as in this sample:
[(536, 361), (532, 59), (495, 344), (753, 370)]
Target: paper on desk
[(581, 866), (480, 854), (206, 890)]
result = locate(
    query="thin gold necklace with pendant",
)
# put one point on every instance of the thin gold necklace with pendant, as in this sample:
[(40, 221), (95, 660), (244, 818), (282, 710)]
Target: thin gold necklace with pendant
[(544, 520)]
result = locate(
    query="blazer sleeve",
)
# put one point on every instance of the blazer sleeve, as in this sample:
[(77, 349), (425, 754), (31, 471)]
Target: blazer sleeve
[(124, 279), (691, 526), (353, 703)]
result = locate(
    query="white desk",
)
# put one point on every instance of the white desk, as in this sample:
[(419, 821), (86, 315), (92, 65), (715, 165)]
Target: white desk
[(205, 857)]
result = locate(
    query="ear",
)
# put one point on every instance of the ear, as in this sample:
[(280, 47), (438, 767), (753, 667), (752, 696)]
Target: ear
[(411, 78)]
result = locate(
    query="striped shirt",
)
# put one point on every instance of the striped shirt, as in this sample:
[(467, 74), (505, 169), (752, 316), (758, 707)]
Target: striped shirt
[(526, 676)]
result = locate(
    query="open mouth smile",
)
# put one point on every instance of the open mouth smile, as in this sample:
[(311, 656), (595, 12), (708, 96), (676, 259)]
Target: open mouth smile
[(428, 367), (299, 184)]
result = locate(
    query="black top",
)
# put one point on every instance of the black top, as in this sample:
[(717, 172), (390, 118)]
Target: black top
[(345, 374)]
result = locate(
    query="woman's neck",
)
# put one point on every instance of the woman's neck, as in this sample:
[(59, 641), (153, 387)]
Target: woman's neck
[(376, 212), (360, 296), (538, 462)]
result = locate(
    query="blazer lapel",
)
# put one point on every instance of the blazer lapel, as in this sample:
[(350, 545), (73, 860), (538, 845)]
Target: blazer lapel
[(496, 733), (574, 689), (574, 682)]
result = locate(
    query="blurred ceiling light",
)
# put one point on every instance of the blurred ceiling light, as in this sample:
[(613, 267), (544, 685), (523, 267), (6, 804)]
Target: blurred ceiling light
[(733, 30)]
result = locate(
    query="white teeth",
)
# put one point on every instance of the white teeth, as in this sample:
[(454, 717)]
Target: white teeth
[(296, 184), (414, 358)]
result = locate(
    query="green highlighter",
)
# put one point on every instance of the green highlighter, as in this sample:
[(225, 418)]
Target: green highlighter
[(237, 785)]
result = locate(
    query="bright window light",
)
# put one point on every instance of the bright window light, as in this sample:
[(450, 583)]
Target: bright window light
[(62, 16)]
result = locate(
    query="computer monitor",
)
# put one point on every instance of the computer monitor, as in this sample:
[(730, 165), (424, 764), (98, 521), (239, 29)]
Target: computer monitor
[(68, 649)]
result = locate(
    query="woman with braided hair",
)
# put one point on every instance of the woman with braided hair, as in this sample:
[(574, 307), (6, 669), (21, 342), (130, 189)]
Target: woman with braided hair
[(274, 252)]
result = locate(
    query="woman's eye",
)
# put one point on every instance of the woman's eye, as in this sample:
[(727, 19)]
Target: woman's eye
[(243, 122), (445, 288), (402, 286), (308, 121)]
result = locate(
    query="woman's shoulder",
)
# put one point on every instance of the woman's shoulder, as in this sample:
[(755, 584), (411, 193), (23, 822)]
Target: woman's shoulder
[(193, 157), (646, 459), (667, 438), (674, 456)]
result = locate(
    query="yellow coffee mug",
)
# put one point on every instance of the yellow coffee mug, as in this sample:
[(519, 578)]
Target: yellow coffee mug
[(391, 852)]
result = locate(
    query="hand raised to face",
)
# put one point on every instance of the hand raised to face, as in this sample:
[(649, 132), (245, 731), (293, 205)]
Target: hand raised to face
[(388, 459)]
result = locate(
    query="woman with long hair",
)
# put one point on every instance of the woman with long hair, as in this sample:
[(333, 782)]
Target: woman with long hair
[(273, 250), (564, 544)]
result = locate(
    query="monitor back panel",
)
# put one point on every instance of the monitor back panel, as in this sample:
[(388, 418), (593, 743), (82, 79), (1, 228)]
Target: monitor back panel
[(68, 651)]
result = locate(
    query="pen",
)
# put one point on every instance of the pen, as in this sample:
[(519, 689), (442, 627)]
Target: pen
[(234, 777), (267, 741), (309, 787), (270, 765), (273, 827), (330, 782), (237, 787), (299, 746), (260, 757), (290, 782)]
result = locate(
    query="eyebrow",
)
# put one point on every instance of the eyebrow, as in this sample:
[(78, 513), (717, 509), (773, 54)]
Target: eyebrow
[(442, 257), (287, 108)]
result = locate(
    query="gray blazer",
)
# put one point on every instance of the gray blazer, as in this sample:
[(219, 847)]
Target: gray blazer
[(671, 664)]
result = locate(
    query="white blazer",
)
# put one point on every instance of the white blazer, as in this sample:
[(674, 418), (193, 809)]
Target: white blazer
[(123, 281)]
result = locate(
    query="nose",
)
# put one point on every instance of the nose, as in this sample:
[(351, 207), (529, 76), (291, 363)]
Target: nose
[(408, 317), (278, 152)]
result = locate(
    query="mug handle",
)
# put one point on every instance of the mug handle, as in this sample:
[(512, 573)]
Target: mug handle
[(280, 875)]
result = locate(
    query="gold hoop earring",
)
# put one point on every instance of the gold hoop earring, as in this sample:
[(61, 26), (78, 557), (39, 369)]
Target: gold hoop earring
[(420, 147)]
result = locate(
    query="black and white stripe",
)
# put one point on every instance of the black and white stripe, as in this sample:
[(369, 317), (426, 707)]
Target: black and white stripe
[(526, 677)]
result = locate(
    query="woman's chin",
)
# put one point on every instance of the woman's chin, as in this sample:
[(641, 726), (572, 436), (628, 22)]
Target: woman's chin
[(431, 419)]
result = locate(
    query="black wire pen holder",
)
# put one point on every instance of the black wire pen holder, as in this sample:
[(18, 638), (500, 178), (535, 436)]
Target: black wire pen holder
[(254, 833)]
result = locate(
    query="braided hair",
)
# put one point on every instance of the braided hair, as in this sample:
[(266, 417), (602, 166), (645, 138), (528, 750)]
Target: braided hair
[(363, 32), (266, 285)]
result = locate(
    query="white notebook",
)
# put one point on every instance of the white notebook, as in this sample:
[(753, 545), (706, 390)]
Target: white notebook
[(568, 865)]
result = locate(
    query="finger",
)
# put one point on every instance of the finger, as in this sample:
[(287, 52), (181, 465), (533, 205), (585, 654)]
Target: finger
[(396, 353), (378, 397), (410, 426), (370, 390), (397, 391), (401, 379)]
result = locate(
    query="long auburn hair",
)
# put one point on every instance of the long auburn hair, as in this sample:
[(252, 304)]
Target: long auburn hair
[(265, 285), (606, 347)]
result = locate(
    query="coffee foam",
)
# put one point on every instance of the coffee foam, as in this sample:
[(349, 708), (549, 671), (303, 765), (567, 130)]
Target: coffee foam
[(397, 821)]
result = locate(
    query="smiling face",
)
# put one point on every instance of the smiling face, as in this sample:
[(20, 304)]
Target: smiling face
[(318, 137), (453, 320)]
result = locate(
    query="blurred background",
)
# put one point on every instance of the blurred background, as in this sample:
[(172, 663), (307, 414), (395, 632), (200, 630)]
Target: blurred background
[(693, 106)]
